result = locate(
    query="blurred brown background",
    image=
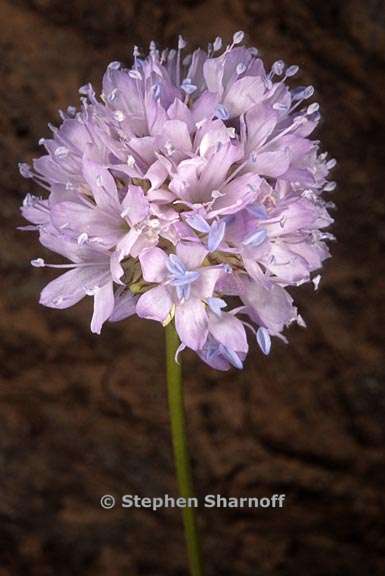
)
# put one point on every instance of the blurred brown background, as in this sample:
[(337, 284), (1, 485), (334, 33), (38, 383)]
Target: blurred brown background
[(81, 415)]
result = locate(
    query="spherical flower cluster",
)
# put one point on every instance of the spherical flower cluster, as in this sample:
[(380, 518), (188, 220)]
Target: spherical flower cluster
[(189, 192)]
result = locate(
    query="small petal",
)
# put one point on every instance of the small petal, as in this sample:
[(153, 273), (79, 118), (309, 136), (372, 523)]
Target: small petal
[(125, 306), (184, 279), (71, 287), (258, 210), (221, 112), (175, 265), (216, 305), (154, 264), (216, 234), (103, 307), (135, 205), (231, 356), (204, 286), (197, 222), (191, 323), (154, 304), (192, 255), (243, 94), (229, 331), (271, 164), (256, 238), (263, 339), (102, 184)]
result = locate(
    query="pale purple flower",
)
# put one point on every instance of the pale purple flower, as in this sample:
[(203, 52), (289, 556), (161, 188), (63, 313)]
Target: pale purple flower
[(184, 285), (191, 184)]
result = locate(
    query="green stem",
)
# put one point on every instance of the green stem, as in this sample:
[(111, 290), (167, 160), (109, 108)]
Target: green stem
[(181, 455)]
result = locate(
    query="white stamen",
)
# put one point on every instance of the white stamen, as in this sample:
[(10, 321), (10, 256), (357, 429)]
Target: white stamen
[(153, 223), (82, 238), (71, 111), (61, 152), (231, 132), (25, 170), (308, 92), (292, 70), (170, 149), (119, 116), (301, 321), (279, 106), (188, 87), (238, 37), (28, 200), (130, 161), (217, 44), (114, 66), (316, 281), (278, 67), (91, 291), (181, 42), (135, 74), (312, 108), (86, 90), (112, 95), (217, 194), (38, 263)]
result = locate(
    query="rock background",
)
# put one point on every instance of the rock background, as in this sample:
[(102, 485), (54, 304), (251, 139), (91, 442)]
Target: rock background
[(81, 416)]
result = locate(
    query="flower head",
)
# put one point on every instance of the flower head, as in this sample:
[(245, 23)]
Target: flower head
[(191, 184)]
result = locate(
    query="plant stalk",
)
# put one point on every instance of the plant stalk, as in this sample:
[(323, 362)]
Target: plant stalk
[(181, 454)]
